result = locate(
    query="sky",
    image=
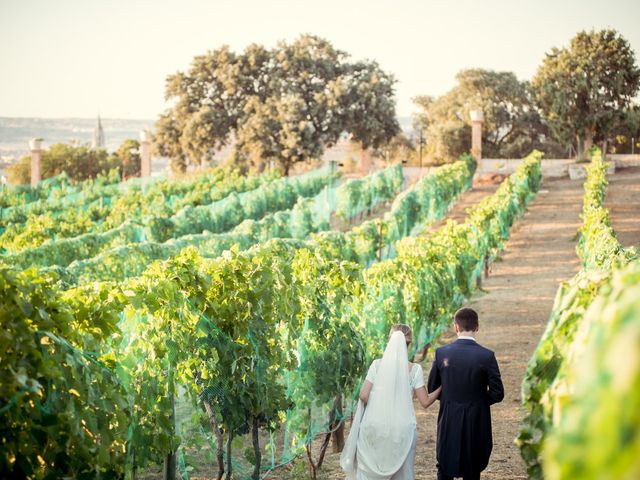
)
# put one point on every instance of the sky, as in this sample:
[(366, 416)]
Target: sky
[(81, 58)]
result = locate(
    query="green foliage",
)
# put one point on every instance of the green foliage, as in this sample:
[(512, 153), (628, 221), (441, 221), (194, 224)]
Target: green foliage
[(598, 246), (43, 227), (166, 199), (583, 89), (232, 210), (424, 202), (102, 213), (433, 273), (275, 330), (12, 195), (18, 201), (358, 195), (130, 260), (285, 104), (216, 217), (596, 431), (78, 162), (367, 104), (127, 157), (280, 129), (64, 251), (625, 136), (511, 128), (62, 410), (550, 382), (54, 195)]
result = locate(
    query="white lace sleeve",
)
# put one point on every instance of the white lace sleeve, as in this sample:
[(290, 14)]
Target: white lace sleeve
[(417, 377)]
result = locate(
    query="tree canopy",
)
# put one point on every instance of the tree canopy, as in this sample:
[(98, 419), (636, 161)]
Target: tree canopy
[(512, 127), (285, 104), (79, 162), (583, 90), (626, 133)]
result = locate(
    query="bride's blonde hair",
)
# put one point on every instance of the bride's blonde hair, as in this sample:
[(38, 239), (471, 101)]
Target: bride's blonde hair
[(401, 327)]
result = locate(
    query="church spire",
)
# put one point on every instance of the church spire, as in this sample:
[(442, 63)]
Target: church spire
[(98, 136)]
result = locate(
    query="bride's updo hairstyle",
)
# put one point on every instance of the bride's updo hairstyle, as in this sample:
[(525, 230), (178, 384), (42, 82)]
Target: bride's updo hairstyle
[(406, 329)]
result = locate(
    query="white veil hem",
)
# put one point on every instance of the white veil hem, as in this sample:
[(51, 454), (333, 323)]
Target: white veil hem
[(382, 434)]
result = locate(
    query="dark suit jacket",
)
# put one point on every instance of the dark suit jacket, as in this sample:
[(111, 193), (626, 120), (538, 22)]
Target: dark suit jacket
[(471, 382)]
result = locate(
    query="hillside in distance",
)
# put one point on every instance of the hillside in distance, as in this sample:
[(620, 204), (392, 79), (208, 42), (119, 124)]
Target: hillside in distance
[(15, 133)]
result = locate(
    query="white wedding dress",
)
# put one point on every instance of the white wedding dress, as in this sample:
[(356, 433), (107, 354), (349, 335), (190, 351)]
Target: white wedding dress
[(382, 441)]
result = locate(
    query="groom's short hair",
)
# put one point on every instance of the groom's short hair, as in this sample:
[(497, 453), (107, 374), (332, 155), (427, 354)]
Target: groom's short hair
[(467, 319)]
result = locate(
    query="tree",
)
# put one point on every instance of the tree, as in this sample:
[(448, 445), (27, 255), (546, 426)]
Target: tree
[(297, 119), (512, 127), (79, 162), (127, 157), (397, 149), (582, 90), (368, 107), (286, 104), (279, 129), (166, 141)]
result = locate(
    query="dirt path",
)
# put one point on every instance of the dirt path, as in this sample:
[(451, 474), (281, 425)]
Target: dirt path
[(469, 198), (513, 310), (623, 201)]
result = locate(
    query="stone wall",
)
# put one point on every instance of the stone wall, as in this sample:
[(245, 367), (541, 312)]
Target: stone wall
[(551, 167), (625, 160)]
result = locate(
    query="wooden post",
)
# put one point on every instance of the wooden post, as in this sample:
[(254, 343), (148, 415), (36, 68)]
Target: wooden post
[(35, 145), (169, 471), (145, 153), (486, 266)]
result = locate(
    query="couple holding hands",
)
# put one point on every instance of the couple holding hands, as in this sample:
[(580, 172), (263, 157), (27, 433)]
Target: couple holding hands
[(465, 378)]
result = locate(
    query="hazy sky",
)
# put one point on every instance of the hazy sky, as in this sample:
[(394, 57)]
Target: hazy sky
[(78, 58)]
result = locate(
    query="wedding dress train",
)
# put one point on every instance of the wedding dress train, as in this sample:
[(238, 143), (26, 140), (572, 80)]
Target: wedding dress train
[(382, 441)]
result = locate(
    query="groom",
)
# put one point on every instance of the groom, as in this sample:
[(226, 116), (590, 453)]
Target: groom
[(470, 380)]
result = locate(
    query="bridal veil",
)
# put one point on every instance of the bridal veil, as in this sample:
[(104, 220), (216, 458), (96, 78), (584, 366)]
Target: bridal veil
[(382, 432)]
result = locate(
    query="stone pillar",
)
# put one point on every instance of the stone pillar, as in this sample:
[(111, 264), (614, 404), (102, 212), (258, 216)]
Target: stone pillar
[(365, 160), (35, 145), (145, 153), (476, 133)]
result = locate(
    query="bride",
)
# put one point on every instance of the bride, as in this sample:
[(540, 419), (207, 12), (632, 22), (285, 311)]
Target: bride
[(382, 441)]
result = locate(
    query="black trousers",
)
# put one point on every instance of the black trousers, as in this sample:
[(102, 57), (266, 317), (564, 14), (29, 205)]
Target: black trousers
[(473, 476)]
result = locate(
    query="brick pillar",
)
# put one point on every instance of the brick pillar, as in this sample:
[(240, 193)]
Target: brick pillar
[(476, 133), (145, 153), (35, 146)]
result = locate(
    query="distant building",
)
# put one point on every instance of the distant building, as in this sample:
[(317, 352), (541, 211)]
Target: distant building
[(98, 136)]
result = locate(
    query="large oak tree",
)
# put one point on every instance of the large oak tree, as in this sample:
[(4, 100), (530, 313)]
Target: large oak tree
[(583, 90), (285, 104)]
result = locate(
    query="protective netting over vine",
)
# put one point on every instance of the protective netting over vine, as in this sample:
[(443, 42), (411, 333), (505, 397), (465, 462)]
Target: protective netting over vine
[(52, 194), (358, 195), (583, 380), (103, 212), (238, 361), (216, 217), (307, 215), (49, 188)]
